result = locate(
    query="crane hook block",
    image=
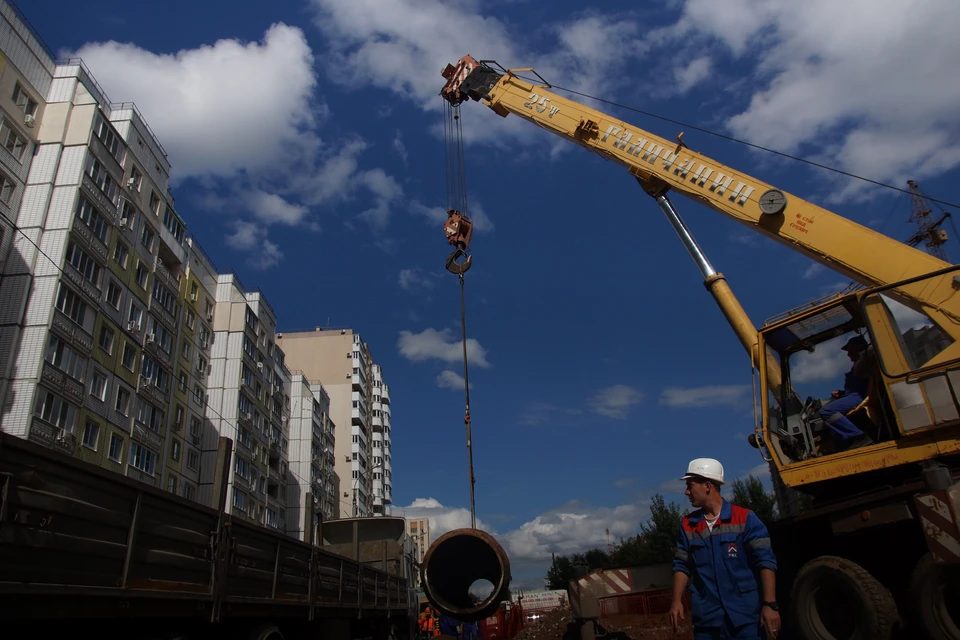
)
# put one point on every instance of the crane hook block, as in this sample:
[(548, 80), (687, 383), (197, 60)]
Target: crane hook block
[(459, 268), (458, 229)]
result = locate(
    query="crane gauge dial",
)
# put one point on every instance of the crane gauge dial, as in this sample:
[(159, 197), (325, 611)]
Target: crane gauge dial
[(773, 202)]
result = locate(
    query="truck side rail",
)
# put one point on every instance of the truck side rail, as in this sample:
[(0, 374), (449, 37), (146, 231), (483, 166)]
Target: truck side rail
[(69, 528)]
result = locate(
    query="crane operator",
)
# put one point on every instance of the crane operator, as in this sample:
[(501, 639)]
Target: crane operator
[(855, 385)]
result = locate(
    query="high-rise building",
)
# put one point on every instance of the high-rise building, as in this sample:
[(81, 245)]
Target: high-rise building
[(341, 361), (92, 283), (249, 402), (119, 342), (419, 531), (312, 441)]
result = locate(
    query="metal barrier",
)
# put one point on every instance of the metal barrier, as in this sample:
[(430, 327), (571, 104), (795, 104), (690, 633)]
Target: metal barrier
[(645, 604)]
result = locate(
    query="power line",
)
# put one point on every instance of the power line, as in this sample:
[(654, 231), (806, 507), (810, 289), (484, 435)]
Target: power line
[(736, 140)]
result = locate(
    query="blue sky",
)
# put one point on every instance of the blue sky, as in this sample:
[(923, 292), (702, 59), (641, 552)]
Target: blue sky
[(306, 150)]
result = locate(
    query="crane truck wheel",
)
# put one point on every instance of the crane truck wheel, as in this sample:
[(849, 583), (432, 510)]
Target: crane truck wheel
[(935, 599), (836, 599)]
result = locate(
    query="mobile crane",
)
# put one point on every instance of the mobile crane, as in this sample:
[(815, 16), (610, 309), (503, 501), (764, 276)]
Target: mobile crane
[(882, 536)]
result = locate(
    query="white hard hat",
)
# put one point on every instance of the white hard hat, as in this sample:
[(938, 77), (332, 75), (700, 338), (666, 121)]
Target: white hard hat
[(705, 468)]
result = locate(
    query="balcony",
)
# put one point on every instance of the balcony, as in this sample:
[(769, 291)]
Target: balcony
[(274, 475), (62, 383), (166, 277), (51, 436), (152, 392), (136, 474), (72, 332)]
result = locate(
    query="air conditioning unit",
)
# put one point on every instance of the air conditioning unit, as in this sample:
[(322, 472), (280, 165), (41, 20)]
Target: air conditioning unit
[(193, 297), (349, 375), (209, 316), (145, 382), (123, 222), (29, 120), (259, 366), (151, 337), (132, 325), (131, 183)]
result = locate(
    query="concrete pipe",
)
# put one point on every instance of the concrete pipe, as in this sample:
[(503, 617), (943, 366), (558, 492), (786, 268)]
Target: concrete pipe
[(454, 562)]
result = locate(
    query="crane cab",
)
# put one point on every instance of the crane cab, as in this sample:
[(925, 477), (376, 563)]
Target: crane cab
[(907, 386)]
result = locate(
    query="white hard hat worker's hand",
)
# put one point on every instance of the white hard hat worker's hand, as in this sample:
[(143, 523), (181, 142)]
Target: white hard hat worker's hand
[(771, 620), (676, 615)]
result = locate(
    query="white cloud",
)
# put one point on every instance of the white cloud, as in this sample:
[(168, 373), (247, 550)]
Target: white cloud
[(813, 271), (399, 147), (438, 215), (690, 75), (442, 519), (413, 279), (615, 401), (542, 413), (673, 485), (199, 100), (709, 396), (825, 363), (572, 528), (252, 240), (451, 380), (848, 75), (431, 344)]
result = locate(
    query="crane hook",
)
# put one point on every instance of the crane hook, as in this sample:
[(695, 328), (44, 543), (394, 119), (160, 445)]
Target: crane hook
[(459, 230)]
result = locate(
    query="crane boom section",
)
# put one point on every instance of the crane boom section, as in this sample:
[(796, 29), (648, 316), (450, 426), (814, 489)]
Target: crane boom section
[(853, 250)]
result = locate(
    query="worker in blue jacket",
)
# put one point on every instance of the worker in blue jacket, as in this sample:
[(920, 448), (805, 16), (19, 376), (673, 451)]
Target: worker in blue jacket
[(724, 556)]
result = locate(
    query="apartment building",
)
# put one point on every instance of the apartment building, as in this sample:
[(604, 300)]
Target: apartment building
[(312, 441), (249, 402), (341, 361), (380, 443), (92, 365)]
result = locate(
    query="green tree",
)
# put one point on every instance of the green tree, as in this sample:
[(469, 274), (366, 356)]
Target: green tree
[(750, 493), (660, 532), (560, 573), (631, 552)]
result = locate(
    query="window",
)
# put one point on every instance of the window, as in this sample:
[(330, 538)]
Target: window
[(71, 305), (182, 382), (188, 491), (128, 214), (185, 349), (142, 273), (103, 131), (7, 187), (23, 101), (154, 203), (106, 340), (148, 415), (198, 394), (159, 334), (247, 377), (55, 411), (146, 237), (191, 319), (64, 358), (175, 449), (241, 468), (193, 460), (142, 458), (195, 426), (172, 484), (12, 141), (178, 413), (116, 447), (164, 296), (173, 225), (136, 178), (113, 295), (152, 371), (98, 387), (120, 254), (248, 347), (83, 263), (129, 356), (123, 402), (91, 433), (87, 214), (135, 317), (204, 337), (101, 178), (239, 500)]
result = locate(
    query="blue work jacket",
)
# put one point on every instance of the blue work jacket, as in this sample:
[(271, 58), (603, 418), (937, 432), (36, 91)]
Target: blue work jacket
[(724, 565)]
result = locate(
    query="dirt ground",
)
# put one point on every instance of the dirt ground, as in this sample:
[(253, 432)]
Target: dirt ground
[(559, 625)]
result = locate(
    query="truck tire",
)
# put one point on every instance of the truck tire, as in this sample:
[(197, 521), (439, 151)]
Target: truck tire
[(935, 599), (836, 599)]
